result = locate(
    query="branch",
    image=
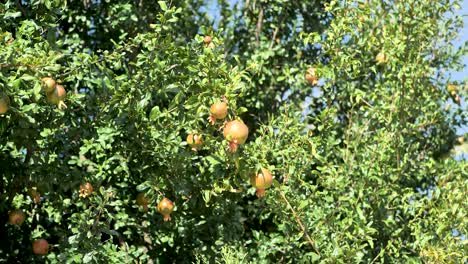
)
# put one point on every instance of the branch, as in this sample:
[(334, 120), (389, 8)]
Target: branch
[(8, 65), (29, 153), (299, 222), (20, 7), (259, 26)]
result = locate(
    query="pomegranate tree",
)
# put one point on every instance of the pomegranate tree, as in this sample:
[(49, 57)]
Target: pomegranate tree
[(16, 217), (165, 207), (57, 96), (4, 104), (218, 111), (194, 141), (236, 132), (40, 247), (262, 180)]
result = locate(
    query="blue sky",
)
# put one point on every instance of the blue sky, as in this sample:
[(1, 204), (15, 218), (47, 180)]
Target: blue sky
[(463, 75)]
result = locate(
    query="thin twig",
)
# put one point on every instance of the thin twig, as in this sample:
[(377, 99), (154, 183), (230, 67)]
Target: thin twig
[(299, 222), (348, 132), (274, 37)]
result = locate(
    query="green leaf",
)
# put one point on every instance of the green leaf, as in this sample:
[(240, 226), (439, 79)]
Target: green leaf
[(163, 5)]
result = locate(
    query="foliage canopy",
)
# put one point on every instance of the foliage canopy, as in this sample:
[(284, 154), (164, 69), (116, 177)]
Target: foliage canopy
[(360, 158)]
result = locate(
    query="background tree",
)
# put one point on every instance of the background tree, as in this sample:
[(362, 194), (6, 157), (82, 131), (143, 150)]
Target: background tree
[(358, 149)]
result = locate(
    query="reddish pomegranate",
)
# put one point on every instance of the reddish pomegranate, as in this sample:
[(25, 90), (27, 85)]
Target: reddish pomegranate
[(35, 195), (261, 181), (236, 132), (40, 247), (311, 76), (207, 40), (195, 141), (49, 84), (165, 208), (86, 190), (16, 217), (57, 96), (4, 104), (142, 200), (218, 111)]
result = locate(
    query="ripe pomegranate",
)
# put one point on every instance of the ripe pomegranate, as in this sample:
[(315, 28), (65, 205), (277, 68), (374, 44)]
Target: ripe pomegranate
[(311, 76), (40, 247), (16, 217), (261, 181), (381, 58), (218, 111), (236, 132), (35, 195), (452, 89), (142, 200), (49, 84), (86, 190), (207, 40), (195, 141), (4, 104), (57, 96), (165, 208)]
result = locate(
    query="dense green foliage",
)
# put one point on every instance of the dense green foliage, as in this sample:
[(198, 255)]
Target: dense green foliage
[(361, 160)]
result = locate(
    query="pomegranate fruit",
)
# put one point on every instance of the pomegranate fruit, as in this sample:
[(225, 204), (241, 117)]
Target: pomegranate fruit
[(142, 200), (16, 217), (311, 76), (381, 58), (452, 89), (236, 132), (194, 141), (207, 40), (218, 111), (86, 190), (165, 208), (57, 96), (40, 247), (35, 195), (49, 84), (4, 104), (262, 180)]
